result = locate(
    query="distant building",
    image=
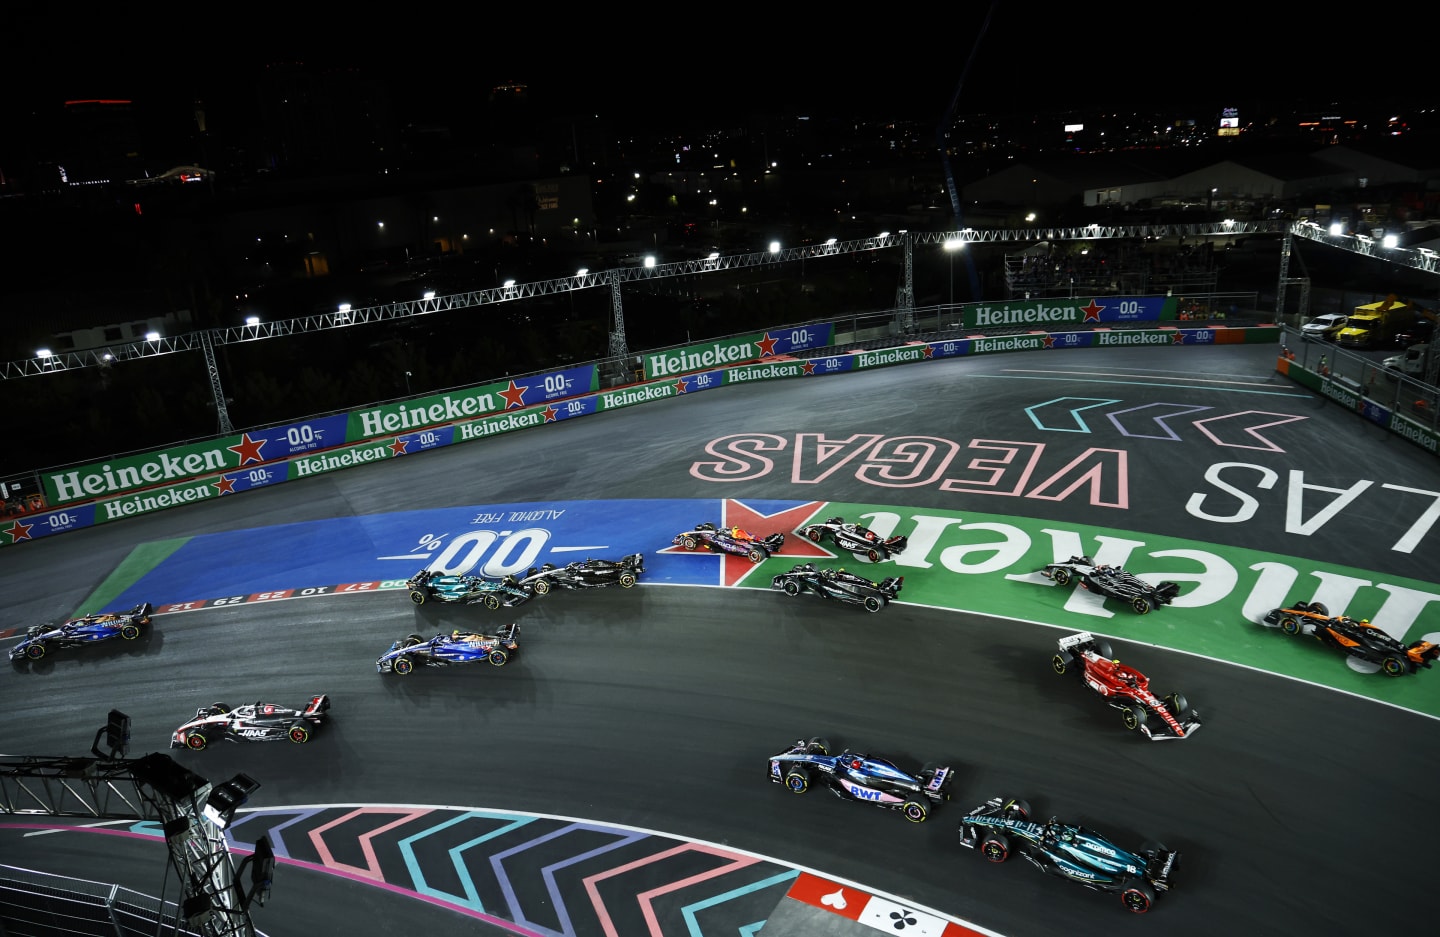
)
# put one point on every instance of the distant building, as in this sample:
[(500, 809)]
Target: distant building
[(99, 141)]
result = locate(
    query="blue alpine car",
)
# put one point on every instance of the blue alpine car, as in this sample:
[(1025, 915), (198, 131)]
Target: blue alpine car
[(457, 647), (864, 778), (77, 632), (1002, 826)]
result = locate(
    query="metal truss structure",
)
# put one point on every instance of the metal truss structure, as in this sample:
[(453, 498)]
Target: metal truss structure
[(906, 241), (153, 788)]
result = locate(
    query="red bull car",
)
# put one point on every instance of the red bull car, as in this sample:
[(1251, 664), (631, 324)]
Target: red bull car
[(251, 722), (730, 540), (1125, 688), (1358, 639)]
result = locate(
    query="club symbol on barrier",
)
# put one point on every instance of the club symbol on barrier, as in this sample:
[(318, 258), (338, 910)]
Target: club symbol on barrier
[(836, 900), (903, 919)]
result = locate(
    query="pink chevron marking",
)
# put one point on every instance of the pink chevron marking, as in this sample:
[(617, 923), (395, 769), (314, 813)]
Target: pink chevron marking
[(736, 862), (372, 871)]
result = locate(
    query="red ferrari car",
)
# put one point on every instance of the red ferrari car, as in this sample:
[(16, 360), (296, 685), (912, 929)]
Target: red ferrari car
[(1126, 689)]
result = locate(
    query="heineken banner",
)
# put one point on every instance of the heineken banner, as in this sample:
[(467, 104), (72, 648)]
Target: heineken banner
[(1050, 314), (471, 402), (735, 350)]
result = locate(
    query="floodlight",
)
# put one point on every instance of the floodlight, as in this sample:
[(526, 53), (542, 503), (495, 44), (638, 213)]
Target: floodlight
[(226, 798)]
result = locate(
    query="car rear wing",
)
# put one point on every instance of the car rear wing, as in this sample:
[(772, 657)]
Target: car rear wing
[(636, 561), (317, 705), (1075, 640), (142, 610), (510, 633), (941, 778)]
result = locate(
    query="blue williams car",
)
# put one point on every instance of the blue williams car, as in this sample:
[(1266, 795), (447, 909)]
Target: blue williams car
[(87, 629), (863, 778), (1002, 826), (457, 647)]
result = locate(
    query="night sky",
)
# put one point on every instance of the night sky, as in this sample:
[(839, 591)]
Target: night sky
[(875, 60)]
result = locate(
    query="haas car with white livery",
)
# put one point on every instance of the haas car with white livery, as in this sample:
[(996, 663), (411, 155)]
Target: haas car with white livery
[(251, 722), (862, 778), (856, 539)]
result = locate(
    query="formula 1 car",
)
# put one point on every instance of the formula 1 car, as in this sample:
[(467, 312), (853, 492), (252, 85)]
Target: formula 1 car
[(730, 540), (457, 647), (1001, 825), (1112, 582), (87, 629), (253, 722), (1359, 639), (428, 586), (588, 574), (840, 585), (855, 776), (1125, 688), (856, 539)]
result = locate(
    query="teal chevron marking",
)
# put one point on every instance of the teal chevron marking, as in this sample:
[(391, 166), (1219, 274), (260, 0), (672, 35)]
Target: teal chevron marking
[(690, 910), (1073, 406), (750, 930), (472, 898)]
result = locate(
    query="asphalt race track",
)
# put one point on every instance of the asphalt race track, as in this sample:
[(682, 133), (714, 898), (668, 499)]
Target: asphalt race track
[(1298, 810)]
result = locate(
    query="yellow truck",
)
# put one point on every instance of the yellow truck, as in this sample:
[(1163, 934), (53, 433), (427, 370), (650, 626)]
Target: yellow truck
[(1374, 323)]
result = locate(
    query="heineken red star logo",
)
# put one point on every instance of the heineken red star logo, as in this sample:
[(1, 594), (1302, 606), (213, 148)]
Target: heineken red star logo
[(1178, 338), (1049, 340), (19, 531), (248, 449), (514, 395), (767, 346), (398, 446), (808, 368), (929, 351), (737, 514), (225, 485), (680, 386), (1092, 311), (551, 414)]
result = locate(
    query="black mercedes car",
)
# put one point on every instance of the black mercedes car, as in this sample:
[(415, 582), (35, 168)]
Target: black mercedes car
[(586, 574), (839, 585), (1112, 582)]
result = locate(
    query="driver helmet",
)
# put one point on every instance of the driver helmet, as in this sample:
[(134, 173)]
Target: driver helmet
[(1364, 621), (1068, 835), (856, 764)]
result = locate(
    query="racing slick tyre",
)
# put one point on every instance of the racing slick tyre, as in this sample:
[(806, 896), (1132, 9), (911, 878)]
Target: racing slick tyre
[(491, 602), (498, 656), (412, 640), (129, 632), (1059, 664), (817, 746), (1021, 808), (220, 709), (755, 555), (1142, 604), (1317, 607), (797, 780), (1290, 625), (35, 651), (689, 543), (1177, 704), (995, 847), (541, 586), (1103, 648), (1061, 576), (791, 587), (873, 604), (873, 556), (299, 735), (196, 742), (1393, 667), (916, 809), (1133, 717), (403, 665), (626, 580), (813, 533), (1137, 896), (417, 596)]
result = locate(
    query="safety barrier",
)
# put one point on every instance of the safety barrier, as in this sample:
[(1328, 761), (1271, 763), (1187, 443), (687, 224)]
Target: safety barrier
[(40, 903), (129, 486), (1407, 407)]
